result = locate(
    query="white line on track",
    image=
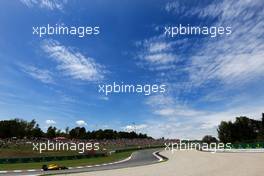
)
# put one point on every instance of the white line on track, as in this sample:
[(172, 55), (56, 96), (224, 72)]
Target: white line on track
[(32, 170), (17, 171), (157, 156)]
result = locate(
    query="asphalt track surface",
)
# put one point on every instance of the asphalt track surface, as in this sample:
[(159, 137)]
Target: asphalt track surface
[(138, 158), (194, 163)]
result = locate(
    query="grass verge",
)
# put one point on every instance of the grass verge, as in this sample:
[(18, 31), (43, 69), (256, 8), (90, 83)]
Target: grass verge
[(68, 163)]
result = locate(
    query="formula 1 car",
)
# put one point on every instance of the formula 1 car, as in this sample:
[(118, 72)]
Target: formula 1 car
[(53, 167)]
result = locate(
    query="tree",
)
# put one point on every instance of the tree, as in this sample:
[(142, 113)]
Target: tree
[(51, 132), (20, 129), (243, 129), (29, 127), (209, 139), (225, 131), (14, 128), (37, 132), (262, 120), (67, 130), (78, 132)]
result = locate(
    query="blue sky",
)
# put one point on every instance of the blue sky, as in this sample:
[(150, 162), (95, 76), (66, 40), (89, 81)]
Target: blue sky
[(208, 79)]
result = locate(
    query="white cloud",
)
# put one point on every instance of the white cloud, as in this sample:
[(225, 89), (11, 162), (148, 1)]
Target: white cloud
[(72, 63), (156, 54), (156, 47), (137, 128), (81, 123), (168, 106), (50, 122), (170, 128), (216, 68), (233, 59), (45, 4), (200, 124), (105, 98), (178, 111), (42, 75), (242, 67), (160, 58), (184, 9), (237, 58), (173, 6), (183, 121), (160, 100)]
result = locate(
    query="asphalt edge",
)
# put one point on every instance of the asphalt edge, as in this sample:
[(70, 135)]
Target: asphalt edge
[(160, 157), (70, 168)]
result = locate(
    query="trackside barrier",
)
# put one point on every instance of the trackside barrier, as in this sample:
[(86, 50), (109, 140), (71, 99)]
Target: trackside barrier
[(138, 148), (255, 145), (48, 158)]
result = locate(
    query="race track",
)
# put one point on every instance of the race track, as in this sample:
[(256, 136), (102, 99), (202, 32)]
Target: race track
[(194, 163), (138, 158)]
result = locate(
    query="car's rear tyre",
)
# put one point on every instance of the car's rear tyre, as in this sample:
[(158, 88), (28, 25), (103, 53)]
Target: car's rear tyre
[(44, 167)]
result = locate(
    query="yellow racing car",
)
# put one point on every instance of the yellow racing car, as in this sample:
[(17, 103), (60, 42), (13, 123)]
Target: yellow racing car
[(53, 167)]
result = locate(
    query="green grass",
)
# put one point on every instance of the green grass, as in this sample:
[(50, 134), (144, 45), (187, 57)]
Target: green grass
[(68, 163)]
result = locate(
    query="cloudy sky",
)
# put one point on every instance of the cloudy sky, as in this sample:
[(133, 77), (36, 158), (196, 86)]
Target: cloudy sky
[(54, 79)]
